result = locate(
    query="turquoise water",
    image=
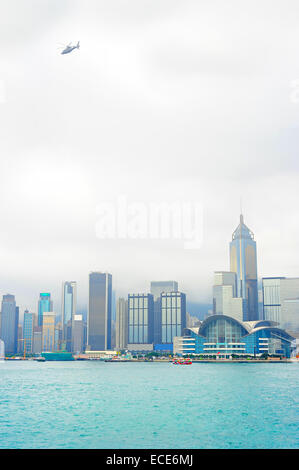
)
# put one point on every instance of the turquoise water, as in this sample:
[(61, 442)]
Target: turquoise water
[(102, 405)]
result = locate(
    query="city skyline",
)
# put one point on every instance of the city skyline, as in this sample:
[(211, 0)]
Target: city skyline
[(153, 320), (56, 299)]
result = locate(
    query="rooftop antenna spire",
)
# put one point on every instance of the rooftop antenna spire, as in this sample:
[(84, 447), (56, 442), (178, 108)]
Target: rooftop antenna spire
[(241, 212)]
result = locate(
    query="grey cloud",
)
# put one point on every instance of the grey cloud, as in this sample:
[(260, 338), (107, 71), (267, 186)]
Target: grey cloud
[(164, 101)]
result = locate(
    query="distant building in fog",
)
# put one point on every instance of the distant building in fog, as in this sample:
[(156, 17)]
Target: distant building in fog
[(157, 287), (121, 327), (191, 321)]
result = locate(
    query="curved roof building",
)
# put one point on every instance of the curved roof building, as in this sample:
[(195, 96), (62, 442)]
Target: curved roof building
[(223, 335)]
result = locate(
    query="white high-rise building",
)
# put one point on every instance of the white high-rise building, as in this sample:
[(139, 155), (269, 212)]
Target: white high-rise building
[(281, 302), (225, 300)]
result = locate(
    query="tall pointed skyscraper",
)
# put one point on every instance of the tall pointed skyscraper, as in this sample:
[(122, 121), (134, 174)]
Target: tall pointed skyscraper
[(68, 311), (243, 262)]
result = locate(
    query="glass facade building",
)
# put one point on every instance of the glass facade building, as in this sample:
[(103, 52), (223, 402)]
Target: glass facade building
[(68, 311), (140, 319), (223, 336), (69, 299), (45, 304), (243, 262), (271, 299), (28, 327), (290, 316), (9, 323), (157, 321), (99, 311), (173, 315), (281, 302)]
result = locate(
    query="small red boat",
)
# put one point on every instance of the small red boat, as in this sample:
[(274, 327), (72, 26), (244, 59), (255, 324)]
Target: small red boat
[(183, 361)]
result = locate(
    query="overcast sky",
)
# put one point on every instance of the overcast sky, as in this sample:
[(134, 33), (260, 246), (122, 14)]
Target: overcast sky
[(166, 101)]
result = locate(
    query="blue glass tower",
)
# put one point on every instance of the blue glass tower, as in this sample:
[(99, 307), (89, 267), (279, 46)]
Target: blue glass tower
[(140, 318), (243, 262), (68, 311), (9, 323), (45, 304), (28, 326)]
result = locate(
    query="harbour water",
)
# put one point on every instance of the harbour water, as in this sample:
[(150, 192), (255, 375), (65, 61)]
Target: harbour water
[(95, 404)]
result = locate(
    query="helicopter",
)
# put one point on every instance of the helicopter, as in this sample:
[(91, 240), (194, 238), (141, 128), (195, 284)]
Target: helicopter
[(69, 48)]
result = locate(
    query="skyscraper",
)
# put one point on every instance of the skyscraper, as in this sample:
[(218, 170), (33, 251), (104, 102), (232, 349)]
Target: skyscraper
[(20, 348), (281, 302), (48, 335), (45, 304), (173, 315), (9, 323), (77, 334), (121, 327), (68, 311), (243, 262), (28, 326), (99, 311), (37, 339), (140, 319), (225, 300), (69, 300)]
